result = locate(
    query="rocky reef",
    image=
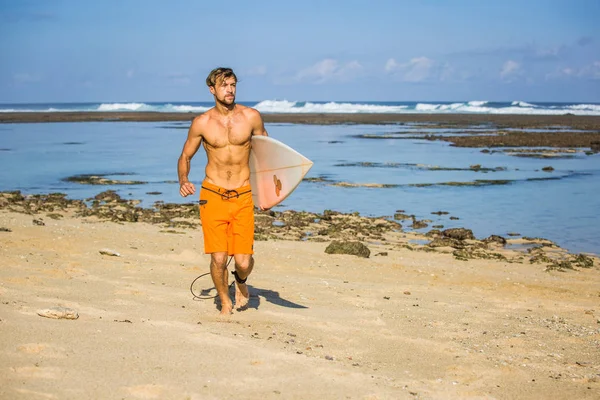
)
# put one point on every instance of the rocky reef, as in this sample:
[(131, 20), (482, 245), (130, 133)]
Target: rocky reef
[(346, 233)]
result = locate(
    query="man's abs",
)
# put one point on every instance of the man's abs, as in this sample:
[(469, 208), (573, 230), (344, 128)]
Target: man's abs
[(228, 176)]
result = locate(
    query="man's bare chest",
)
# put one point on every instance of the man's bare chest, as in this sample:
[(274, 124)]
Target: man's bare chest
[(225, 133)]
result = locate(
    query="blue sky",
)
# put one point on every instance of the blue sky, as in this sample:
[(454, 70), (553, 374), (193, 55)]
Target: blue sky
[(146, 50)]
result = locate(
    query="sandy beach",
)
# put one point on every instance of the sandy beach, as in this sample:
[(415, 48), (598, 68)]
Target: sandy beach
[(411, 321), (436, 233)]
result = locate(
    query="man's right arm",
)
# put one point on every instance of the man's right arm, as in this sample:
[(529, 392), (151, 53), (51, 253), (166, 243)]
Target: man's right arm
[(190, 147), (257, 123)]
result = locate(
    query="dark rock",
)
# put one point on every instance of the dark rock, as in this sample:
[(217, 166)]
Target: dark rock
[(446, 242), (459, 233), (495, 239), (269, 213), (328, 214), (353, 248), (419, 224), (108, 196), (560, 266), (595, 147), (401, 216), (583, 261), (434, 233), (476, 253), (540, 258), (548, 169), (99, 179)]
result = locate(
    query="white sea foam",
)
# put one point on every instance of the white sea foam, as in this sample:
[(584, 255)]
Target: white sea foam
[(517, 108), (185, 108), (426, 107), (295, 107), (121, 107), (285, 106), (477, 103), (12, 110), (25, 110), (522, 104), (271, 106), (442, 107), (588, 107), (538, 111)]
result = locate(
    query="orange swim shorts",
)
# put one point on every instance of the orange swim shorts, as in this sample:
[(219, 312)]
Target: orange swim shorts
[(227, 218)]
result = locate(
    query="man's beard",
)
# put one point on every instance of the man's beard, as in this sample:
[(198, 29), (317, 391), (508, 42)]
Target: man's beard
[(227, 101)]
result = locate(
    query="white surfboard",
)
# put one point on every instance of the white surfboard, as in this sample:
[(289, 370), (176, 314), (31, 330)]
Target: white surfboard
[(275, 171)]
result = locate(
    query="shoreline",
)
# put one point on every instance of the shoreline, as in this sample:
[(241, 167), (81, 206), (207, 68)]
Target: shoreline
[(502, 120), (304, 226)]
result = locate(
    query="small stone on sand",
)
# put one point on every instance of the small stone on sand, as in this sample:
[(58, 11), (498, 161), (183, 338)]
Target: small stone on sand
[(58, 313)]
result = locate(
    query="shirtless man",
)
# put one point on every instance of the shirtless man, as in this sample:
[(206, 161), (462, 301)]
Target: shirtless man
[(226, 207)]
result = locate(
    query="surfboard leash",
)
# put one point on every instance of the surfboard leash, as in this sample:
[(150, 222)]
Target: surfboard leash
[(206, 297)]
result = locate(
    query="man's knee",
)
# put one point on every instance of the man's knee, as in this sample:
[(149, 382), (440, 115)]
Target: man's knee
[(245, 264), (219, 260)]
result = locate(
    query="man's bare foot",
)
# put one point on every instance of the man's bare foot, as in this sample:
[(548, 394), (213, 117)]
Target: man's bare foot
[(241, 296), (226, 308)]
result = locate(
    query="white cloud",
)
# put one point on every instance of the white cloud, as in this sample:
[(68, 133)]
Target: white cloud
[(447, 73), (548, 54), (25, 78), (179, 78), (510, 70), (590, 71), (256, 71), (391, 65), (329, 70), (418, 69)]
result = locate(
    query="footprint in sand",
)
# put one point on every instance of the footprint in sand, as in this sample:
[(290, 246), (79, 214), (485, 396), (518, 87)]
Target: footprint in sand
[(37, 372), (147, 391), (32, 348), (47, 350), (35, 394)]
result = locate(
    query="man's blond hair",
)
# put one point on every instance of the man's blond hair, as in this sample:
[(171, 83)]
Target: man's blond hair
[(219, 74)]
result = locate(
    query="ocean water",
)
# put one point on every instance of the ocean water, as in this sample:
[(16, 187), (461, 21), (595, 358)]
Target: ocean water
[(561, 205), (286, 106)]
